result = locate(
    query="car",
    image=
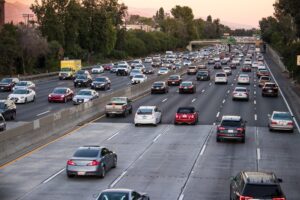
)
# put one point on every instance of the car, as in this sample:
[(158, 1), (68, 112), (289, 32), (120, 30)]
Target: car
[(148, 61), (147, 115), (114, 68), (84, 96), (98, 69), (221, 77), (174, 80), (61, 94), (217, 65), (24, 85), (108, 66), (279, 120), (2, 123), (231, 127), (246, 68), (262, 80), (224, 62), (101, 82), (149, 70), (138, 78), (83, 80), (186, 62), (187, 87), (254, 64), (203, 75), (262, 72), (269, 89), (135, 72), (159, 87), (156, 61), (7, 84), (163, 70), (140, 67), (227, 70), (82, 72), (186, 115), (232, 65), (243, 79), (122, 194), (240, 93), (211, 61), (247, 185), (192, 70), (123, 69), (8, 109), (135, 62), (91, 161), (22, 96), (248, 61)]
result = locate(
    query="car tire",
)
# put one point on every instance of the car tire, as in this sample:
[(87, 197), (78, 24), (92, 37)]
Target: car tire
[(25, 101), (291, 131), (33, 100), (70, 175), (107, 114), (103, 172), (243, 140), (65, 100), (115, 162), (270, 129), (136, 125), (13, 116), (218, 139)]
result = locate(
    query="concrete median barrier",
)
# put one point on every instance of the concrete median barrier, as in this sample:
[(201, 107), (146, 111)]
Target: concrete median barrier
[(27, 137)]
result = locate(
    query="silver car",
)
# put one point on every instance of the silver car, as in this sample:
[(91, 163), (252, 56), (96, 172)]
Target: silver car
[(281, 121), (91, 160), (122, 194), (84, 96)]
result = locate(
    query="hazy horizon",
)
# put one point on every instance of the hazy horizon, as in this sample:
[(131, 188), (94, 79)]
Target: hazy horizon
[(244, 12)]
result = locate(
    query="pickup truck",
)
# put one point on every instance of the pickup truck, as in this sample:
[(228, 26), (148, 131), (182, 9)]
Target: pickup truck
[(118, 106), (123, 70)]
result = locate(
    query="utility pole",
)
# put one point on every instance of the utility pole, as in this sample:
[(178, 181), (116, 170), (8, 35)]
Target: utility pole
[(27, 18), (2, 12)]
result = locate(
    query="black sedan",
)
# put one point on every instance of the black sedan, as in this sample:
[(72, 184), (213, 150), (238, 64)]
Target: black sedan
[(187, 87), (91, 160), (102, 83), (203, 75), (82, 80), (159, 87)]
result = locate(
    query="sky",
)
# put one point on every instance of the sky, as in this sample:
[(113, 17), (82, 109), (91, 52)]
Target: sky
[(244, 12)]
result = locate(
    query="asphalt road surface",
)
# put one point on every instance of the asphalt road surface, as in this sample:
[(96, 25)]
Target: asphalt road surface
[(168, 162)]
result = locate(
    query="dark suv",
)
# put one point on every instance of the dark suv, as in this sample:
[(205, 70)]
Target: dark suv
[(256, 185), (8, 109), (231, 127)]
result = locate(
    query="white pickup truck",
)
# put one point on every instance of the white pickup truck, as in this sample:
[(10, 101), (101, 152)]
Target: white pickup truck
[(118, 106)]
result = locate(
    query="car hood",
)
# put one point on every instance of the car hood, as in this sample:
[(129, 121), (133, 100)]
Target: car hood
[(4, 84), (17, 95), (83, 97)]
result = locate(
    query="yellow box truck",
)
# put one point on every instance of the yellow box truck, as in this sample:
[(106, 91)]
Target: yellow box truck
[(68, 68)]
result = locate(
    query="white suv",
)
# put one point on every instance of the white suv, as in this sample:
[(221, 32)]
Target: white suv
[(221, 77)]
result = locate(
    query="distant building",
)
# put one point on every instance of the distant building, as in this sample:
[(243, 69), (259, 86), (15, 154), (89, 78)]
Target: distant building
[(2, 12), (143, 27)]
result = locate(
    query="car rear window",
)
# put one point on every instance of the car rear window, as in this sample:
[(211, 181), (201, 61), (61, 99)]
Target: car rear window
[(186, 84), (90, 153), (231, 123), (220, 75), (113, 196), (192, 67), (173, 77), (144, 111), (265, 78), (282, 116), (202, 73), (262, 191), (240, 90), (185, 110)]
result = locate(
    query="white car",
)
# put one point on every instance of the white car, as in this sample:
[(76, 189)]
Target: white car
[(97, 69), (221, 77), (240, 93), (85, 95), (261, 66), (138, 78), (244, 79), (24, 85), (136, 62), (247, 62), (22, 95), (281, 121), (147, 115), (163, 71), (148, 60), (187, 62), (140, 67), (254, 64), (227, 70)]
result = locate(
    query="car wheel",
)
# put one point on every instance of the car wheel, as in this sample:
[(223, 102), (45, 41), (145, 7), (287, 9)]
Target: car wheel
[(103, 172), (136, 125), (25, 100), (218, 139), (107, 114), (292, 131), (115, 162), (270, 129), (70, 175), (65, 100), (13, 116), (243, 140), (33, 99)]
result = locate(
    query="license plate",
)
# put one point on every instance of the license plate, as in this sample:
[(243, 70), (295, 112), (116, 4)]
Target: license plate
[(184, 116), (270, 90), (230, 131), (173, 82), (81, 173), (185, 87), (79, 83)]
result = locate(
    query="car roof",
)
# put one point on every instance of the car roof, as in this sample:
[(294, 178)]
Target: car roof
[(117, 190), (259, 177), (61, 88), (280, 112), (231, 117), (86, 90), (159, 82), (188, 107), (244, 75), (147, 107), (190, 82)]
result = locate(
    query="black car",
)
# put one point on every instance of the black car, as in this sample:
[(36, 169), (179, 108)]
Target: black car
[(149, 70), (91, 160), (6, 84), (256, 185), (8, 109), (203, 75), (218, 65), (187, 87), (82, 80), (231, 127), (159, 87), (102, 82)]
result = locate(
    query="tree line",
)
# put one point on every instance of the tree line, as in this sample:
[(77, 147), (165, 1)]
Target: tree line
[(95, 30), (282, 32)]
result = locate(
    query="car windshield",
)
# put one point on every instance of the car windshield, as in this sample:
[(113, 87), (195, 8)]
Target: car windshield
[(185, 110), (158, 84), (163, 69), (81, 77), (113, 196), (282, 116), (173, 77), (232, 123), (80, 72), (20, 92), (240, 90), (100, 79), (85, 93), (185, 84), (262, 191), (65, 69), (145, 111), (139, 76), (244, 76), (60, 91), (6, 80), (265, 78), (118, 99), (22, 83), (136, 71), (202, 73), (86, 153)]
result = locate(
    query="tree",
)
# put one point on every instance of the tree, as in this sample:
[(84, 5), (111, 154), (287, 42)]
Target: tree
[(209, 19)]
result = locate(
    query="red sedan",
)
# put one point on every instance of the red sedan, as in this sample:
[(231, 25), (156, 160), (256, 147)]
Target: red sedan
[(187, 87), (61, 94), (174, 80), (186, 115), (108, 66), (246, 68)]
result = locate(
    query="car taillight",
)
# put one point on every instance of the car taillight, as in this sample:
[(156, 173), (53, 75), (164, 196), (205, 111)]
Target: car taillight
[(273, 122), (192, 116), (70, 162), (240, 129), (191, 87), (94, 163), (245, 198), (177, 116), (290, 123), (234, 93), (220, 128), (280, 198)]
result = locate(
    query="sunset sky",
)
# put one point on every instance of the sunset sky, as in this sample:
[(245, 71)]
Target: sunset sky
[(247, 12)]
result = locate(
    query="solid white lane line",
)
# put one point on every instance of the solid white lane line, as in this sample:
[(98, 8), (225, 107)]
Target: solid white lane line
[(164, 100), (202, 150), (258, 153), (113, 136), (181, 197), (223, 101), (156, 138), (118, 179), (228, 91), (255, 117), (53, 176), (218, 114), (254, 102), (193, 100), (43, 113)]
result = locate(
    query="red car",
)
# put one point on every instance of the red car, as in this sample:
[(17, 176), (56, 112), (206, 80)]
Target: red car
[(186, 115), (246, 68), (174, 80), (61, 94), (262, 72), (108, 66)]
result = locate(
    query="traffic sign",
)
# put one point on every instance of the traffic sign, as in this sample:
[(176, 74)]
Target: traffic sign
[(298, 60)]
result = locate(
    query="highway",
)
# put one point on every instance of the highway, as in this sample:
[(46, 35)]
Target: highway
[(168, 162)]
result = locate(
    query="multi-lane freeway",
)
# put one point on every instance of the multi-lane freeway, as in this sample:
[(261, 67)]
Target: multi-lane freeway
[(168, 162)]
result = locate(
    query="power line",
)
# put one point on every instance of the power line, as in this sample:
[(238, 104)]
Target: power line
[(27, 18)]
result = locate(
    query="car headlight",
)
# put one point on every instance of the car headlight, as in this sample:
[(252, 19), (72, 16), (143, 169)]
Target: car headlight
[(63, 96), (49, 95)]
